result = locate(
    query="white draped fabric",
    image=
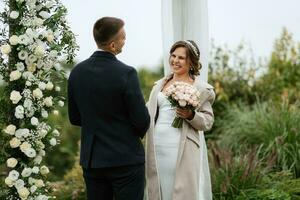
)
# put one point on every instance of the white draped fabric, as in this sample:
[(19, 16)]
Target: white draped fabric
[(184, 20)]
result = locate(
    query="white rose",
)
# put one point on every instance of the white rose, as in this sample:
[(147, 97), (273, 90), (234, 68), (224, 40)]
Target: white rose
[(42, 85), (50, 38), (49, 86), (39, 183), (22, 132), (34, 121), (5, 49), (19, 184), (43, 133), (44, 170), (56, 132), (19, 112), (49, 4), (35, 170), (14, 143), (14, 40), (23, 193), (14, 14), (57, 89), (31, 180), (15, 97), (24, 39), (45, 14), (22, 55), (44, 114), (11, 162), (37, 160), (20, 66), (25, 146), (55, 112), (31, 67), (26, 172), (15, 75), (53, 142), (37, 93), (41, 145), (10, 129), (9, 182), (48, 101), (39, 51), (31, 153), (38, 21), (182, 103), (33, 189), (61, 103), (27, 103), (13, 175)]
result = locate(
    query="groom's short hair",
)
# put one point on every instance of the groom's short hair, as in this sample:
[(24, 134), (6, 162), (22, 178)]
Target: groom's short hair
[(106, 28)]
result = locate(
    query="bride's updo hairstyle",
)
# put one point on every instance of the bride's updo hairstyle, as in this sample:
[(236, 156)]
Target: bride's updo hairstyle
[(192, 53)]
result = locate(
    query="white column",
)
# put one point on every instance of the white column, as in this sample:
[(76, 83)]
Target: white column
[(185, 20)]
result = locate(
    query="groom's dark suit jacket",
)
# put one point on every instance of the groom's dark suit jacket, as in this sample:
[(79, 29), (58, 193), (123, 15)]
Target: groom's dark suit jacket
[(105, 99)]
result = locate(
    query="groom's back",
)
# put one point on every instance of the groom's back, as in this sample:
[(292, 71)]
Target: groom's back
[(111, 111)]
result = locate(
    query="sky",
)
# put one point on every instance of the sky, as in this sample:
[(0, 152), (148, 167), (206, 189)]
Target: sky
[(257, 22)]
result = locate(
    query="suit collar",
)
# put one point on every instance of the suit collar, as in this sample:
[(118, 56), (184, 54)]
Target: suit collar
[(104, 54)]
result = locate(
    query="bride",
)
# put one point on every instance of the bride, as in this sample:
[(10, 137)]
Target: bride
[(176, 158)]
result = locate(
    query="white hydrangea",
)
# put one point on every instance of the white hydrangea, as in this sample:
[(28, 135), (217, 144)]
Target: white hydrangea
[(14, 40), (11, 162), (10, 129), (19, 112), (5, 49), (14, 142), (15, 75), (14, 14)]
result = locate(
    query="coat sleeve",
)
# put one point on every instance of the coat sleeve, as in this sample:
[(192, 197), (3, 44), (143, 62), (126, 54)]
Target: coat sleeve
[(204, 116), (74, 114), (135, 103)]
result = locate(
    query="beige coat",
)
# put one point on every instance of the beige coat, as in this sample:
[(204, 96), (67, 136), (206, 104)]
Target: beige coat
[(192, 160)]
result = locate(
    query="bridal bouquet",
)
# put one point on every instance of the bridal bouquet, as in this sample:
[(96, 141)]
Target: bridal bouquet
[(182, 95)]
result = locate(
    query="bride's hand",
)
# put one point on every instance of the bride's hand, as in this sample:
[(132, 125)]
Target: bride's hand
[(185, 113)]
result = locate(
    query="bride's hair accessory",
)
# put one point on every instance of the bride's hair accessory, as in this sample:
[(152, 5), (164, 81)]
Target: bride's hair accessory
[(192, 46)]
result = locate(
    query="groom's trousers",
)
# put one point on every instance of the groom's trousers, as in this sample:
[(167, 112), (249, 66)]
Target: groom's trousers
[(115, 183)]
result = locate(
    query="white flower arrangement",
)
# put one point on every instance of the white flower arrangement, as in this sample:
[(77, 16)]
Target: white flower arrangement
[(30, 58)]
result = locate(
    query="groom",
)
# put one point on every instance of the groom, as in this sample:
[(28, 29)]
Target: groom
[(105, 99)]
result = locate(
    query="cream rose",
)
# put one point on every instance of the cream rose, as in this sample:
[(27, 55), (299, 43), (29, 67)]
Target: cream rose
[(11, 162), (49, 86), (48, 101), (10, 129), (14, 40), (23, 193), (14, 143), (44, 170), (15, 75), (15, 97), (5, 49), (37, 93)]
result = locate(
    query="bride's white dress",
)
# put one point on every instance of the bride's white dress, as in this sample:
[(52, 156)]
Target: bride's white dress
[(166, 141)]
